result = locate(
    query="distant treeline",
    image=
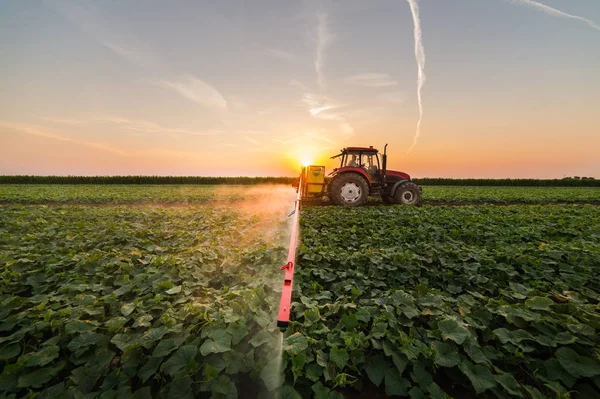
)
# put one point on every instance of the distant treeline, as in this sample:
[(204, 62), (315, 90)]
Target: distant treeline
[(428, 181), (143, 180), (566, 182)]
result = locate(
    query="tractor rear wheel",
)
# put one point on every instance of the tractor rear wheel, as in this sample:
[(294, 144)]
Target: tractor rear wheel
[(349, 189), (408, 194)]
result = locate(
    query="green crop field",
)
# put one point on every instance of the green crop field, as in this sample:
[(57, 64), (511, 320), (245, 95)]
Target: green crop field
[(172, 291), (186, 193)]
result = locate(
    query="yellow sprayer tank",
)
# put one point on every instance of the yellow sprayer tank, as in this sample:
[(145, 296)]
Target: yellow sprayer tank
[(314, 178)]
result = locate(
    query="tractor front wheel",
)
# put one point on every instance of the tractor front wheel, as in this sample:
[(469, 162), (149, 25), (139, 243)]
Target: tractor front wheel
[(349, 190), (408, 194)]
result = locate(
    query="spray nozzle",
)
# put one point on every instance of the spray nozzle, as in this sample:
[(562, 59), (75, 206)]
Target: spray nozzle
[(287, 266)]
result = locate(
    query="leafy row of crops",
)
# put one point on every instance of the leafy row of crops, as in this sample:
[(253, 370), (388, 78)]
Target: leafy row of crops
[(501, 195), (128, 194), (118, 302), (243, 180), (566, 182), (435, 301), (30, 179), (125, 194)]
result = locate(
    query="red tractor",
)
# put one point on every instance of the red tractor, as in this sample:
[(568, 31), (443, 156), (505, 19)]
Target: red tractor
[(362, 172)]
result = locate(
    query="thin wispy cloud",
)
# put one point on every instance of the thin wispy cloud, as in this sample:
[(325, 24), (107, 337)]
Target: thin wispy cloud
[(251, 140), (148, 127), (196, 90), (64, 121), (135, 125), (320, 136), (90, 20), (324, 39), (393, 97), (322, 108), (371, 80), (277, 53), (420, 57), (44, 133), (554, 12)]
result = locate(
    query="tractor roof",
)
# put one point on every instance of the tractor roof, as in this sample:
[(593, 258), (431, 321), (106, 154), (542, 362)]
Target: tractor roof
[(362, 149), (355, 149)]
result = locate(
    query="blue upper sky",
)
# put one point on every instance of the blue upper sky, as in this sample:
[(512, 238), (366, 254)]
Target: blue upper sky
[(248, 87)]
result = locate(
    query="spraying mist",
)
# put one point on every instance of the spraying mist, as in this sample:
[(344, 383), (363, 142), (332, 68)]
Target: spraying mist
[(553, 11), (420, 57)]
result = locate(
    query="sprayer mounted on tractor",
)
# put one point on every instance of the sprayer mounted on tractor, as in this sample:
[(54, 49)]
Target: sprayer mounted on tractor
[(363, 172)]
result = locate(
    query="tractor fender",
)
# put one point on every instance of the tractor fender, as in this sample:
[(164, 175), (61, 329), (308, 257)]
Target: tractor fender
[(396, 185)]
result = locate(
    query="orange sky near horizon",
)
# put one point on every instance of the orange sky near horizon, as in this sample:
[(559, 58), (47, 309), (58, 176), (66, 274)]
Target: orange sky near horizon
[(223, 89)]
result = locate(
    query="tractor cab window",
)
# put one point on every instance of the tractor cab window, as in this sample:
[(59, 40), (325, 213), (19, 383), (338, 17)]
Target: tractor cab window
[(352, 160), (370, 164)]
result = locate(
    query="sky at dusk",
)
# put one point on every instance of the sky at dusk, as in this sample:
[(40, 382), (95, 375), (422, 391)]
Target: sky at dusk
[(508, 88)]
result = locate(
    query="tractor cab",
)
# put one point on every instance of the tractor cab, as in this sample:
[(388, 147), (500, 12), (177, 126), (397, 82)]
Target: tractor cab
[(364, 159)]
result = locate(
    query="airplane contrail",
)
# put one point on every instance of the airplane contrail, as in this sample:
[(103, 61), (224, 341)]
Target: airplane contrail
[(420, 57), (553, 11)]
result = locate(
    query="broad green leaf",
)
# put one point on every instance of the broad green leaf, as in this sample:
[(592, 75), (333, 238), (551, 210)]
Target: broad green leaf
[(509, 383), (210, 373), (164, 347), (39, 377), (127, 308), (287, 392), (539, 303), (577, 365), (339, 356), (237, 331), (481, 377), (124, 341), (152, 335), (446, 355), (9, 351), (474, 351), (83, 340), (115, 323), (222, 386), (295, 343), (321, 391), (450, 329), (313, 371), (143, 321), (79, 326), (43, 357), (416, 393), (180, 359), (421, 375), (272, 374), (260, 338), (395, 384), (219, 342), (376, 368), (174, 290), (181, 388), (401, 298), (124, 289), (143, 393), (149, 369)]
